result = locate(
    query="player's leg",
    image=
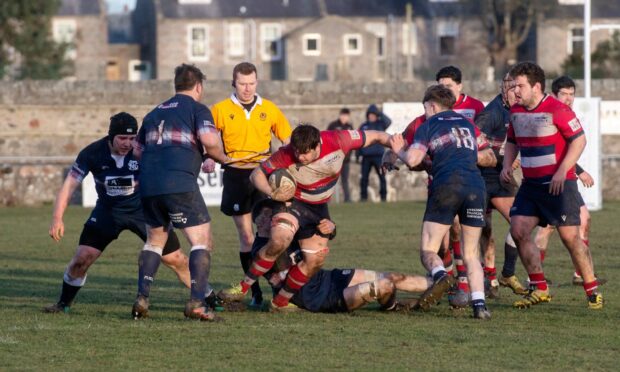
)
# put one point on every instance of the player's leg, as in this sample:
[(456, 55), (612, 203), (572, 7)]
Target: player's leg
[(174, 258), (344, 179), (367, 286), (508, 278), (376, 164), (243, 223), (487, 246), (366, 165), (541, 239), (432, 237), (475, 274), (460, 297), (584, 233)]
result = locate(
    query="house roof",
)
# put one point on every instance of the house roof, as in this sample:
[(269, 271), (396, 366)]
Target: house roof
[(241, 8), (80, 7)]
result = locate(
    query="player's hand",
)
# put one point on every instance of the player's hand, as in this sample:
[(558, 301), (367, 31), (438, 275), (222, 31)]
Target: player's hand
[(57, 229), (283, 193), (586, 179), (326, 227), (506, 175), (208, 166), (556, 187), (397, 142), (516, 164)]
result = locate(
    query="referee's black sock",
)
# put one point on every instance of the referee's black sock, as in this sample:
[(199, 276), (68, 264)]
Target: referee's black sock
[(68, 293), (246, 262), (510, 260)]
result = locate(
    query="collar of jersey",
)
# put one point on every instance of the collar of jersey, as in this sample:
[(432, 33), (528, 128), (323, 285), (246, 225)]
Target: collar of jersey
[(259, 101)]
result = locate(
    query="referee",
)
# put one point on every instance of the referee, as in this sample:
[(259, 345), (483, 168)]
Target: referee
[(246, 122)]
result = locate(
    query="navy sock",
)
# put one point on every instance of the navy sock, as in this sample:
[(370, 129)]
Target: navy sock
[(148, 263), (68, 293), (478, 303), (199, 268), (246, 262), (439, 274), (510, 260)]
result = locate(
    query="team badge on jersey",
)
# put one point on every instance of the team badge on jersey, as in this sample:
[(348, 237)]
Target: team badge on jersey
[(263, 116), (132, 165), (574, 124), (355, 135)]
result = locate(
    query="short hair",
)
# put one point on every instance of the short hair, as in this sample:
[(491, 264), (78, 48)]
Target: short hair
[(244, 68), (187, 76), (561, 83), (305, 137), (439, 94), (449, 72), (345, 110), (533, 73)]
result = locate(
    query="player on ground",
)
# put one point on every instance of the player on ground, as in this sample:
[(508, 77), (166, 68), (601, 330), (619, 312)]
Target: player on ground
[(550, 139), (493, 122), (118, 207), (335, 290), (314, 159), (563, 88), (246, 122), (457, 189), (171, 142)]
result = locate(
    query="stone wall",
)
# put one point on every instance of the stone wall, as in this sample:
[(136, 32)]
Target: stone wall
[(45, 124)]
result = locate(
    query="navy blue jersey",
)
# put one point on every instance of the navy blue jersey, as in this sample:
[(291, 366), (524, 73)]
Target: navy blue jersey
[(451, 141), (115, 179), (493, 122), (171, 147)]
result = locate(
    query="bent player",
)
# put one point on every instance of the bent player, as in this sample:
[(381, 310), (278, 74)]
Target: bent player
[(550, 139), (118, 207), (457, 190), (314, 159)]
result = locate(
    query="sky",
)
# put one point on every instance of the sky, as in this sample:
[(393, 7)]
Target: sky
[(116, 6)]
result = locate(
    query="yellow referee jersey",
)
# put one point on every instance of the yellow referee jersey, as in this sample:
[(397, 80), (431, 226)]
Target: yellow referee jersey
[(247, 135)]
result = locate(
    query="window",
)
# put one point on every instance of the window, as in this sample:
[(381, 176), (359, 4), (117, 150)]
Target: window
[(379, 30), (198, 42), (236, 40), (271, 42), (311, 44), (410, 40), (352, 44), (64, 31), (575, 40), (447, 32)]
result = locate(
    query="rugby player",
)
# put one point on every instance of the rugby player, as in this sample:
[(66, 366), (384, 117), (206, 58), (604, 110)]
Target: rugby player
[(457, 189), (118, 208), (171, 143), (314, 159), (246, 122), (550, 139)]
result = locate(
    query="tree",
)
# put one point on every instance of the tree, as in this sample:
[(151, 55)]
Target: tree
[(605, 60), (26, 44)]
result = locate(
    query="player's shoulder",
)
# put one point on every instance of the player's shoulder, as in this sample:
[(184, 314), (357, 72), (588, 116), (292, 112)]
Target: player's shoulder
[(268, 104), (474, 102), (553, 104), (96, 147)]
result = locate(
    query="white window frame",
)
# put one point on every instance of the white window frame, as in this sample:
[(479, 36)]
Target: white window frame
[(59, 37), (304, 44), (345, 43), (447, 28), (380, 32), (571, 39), (190, 41), (183, 2), (264, 39), (235, 39), (410, 45)]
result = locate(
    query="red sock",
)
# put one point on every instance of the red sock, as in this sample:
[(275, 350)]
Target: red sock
[(591, 287), (586, 242), (258, 268), (538, 280), (490, 273), (461, 270), (294, 281), (542, 255), (577, 272)]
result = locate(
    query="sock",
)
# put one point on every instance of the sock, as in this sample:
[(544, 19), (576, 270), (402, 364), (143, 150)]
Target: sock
[(70, 288), (148, 263), (199, 268), (294, 281), (477, 299), (510, 260), (246, 261), (590, 287), (438, 272), (542, 255), (461, 270), (490, 273), (258, 268), (538, 280), (447, 262), (586, 242)]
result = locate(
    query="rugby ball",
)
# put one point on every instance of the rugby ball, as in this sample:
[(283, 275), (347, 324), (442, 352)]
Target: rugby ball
[(281, 177)]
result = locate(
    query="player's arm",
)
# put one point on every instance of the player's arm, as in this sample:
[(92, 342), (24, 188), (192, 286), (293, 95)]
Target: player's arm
[(213, 147), (260, 181), (510, 154), (374, 136), (575, 148), (57, 227), (486, 158), (410, 155), (584, 176)]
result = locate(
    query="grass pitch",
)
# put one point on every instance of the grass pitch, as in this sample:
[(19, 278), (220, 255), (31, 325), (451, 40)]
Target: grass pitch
[(99, 334)]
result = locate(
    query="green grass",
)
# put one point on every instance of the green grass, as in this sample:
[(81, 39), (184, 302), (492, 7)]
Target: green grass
[(99, 334)]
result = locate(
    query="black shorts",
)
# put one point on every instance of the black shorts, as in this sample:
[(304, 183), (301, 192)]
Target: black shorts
[(239, 194), (105, 225), (334, 301), (498, 189), (183, 210), (325, 291), (557, 210), (449, 200), (308, 216)]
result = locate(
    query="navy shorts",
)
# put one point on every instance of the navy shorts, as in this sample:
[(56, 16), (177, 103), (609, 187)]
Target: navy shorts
[(105, 225), (308, 215), (325, 291), (239, 194), (449, 200), (498, 189), (183, 210), (557, 210), (334, 302)]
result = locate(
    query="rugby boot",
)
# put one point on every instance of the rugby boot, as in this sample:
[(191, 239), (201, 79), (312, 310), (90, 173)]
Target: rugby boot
[(577, 279), (533, 298), (595, 301), (432, 295), (213, 302), (289, 308), (491, 288), (232, 294), (58, 307), (459, 299), (196, 309), (140, 309), (513, 283), (481, 312), (256, 304)]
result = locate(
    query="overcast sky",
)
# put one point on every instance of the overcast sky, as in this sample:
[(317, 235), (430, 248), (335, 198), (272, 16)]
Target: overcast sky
[(116, 6)]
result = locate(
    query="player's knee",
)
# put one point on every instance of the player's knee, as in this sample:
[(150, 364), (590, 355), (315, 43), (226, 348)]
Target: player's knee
[(278, 243), (385, 287), (175, 259), (519, 234)]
